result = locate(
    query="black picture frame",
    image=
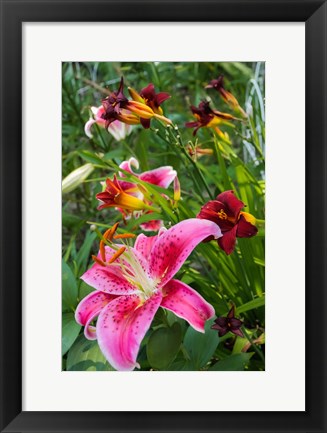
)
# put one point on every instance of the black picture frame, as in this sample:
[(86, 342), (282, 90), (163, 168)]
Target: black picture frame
[(314, 14)]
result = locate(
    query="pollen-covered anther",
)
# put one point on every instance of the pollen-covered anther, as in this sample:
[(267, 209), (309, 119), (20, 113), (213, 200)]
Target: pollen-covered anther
[(222, 215), (125, 236), (109, 234), (98, 261), (102, 251), (117, 254)]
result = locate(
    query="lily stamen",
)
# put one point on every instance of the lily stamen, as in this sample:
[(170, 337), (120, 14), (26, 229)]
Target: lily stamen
[(117, 254), (102, 251), (125, 236), (98, 261)]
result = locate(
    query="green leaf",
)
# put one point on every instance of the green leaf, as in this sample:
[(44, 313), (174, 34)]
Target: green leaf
[(255, 303), (163, 346), (69, 288), (84, 290), (70, 331), (233, 363), (86, 355), (201, 347), (84, 252)]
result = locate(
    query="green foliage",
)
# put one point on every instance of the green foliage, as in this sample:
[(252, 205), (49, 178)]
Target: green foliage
[(85, 355)]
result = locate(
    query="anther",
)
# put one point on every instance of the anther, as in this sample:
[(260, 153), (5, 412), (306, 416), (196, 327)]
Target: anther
[(102, 251), (117, 254), (112, 231), (125, 236), (98, 261)]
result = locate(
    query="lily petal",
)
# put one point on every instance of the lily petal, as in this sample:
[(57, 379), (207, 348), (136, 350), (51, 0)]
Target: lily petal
[(127, 166), (144, 244), (88, 309), (87, 127), (228, 241), (162, 176), (152, 226), (171, 249), (245, 229), (109, 279), (186, 303), (121, 327)]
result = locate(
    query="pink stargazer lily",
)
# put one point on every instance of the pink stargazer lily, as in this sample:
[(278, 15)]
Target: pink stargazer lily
[(162, 176), (130, 289), (116, 128)]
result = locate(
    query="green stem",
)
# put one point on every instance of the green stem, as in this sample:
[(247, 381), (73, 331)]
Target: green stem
[(258, 351)]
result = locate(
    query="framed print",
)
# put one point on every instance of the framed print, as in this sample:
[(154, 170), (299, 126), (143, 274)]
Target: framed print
[(163, 216)]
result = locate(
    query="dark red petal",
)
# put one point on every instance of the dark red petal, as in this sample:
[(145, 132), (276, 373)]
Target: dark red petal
[(145, 123), (191, 124), (231, 312), (235, 323), (228, 241), (148, 92), (221, 321), (245, 229), (233, 204), (237, 332), (210, 212), (222, 331), (162, 97)]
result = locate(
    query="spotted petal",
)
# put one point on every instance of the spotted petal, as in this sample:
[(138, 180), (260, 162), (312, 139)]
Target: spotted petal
[(110, 279), (162, 176), (121, 327), (186, 303), (89, 308), (171, 249), (144, 244)]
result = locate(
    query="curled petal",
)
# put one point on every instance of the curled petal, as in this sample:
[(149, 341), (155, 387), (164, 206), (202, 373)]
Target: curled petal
[(162, 176), (186, 303), (87, 127), (121, 327), (127, 166), (88, 309), (171, 249)]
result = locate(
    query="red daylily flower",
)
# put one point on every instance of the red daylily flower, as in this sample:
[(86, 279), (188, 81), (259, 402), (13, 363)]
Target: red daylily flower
[(225, 211), (206, 117), (151, 99)]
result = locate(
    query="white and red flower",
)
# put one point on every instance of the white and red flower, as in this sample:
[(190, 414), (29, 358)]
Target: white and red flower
[(116, 128)]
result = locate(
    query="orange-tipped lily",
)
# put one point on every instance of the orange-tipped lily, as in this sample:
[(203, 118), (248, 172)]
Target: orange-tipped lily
[(229, 98), (206, 117), (151, 100), (115, 196)]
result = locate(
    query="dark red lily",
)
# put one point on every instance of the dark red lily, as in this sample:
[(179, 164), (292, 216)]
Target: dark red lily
[(225, 211), (206, 117), (113, 104), (150, 98), (229, 98), (229, 323)]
